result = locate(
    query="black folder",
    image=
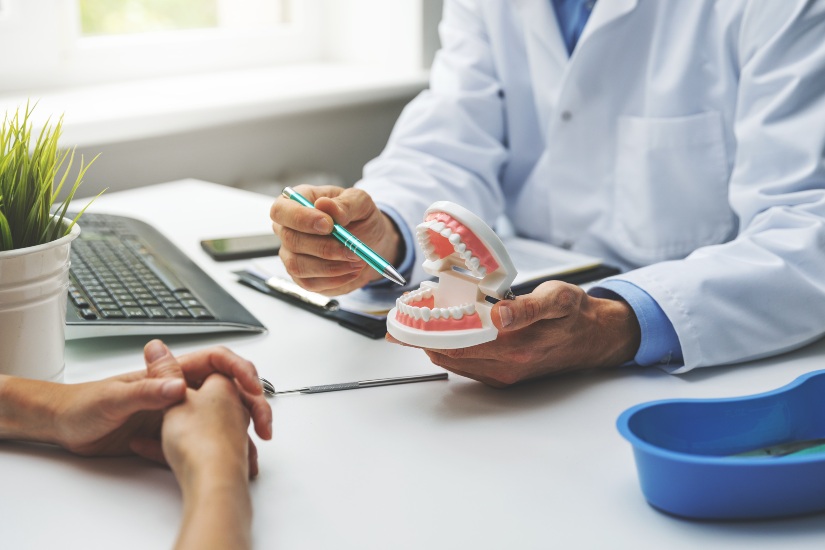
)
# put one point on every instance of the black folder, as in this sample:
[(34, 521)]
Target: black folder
[(365, 325)]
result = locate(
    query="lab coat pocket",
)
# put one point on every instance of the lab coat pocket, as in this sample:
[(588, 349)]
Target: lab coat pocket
[(671, 187)]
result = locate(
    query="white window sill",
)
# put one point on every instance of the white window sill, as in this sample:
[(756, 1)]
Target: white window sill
[(128, 111)]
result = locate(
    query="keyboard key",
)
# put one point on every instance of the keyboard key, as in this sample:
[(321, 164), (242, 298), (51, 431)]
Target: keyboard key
[(191, 303), (87, 313), (201, 313), (134, 312), (112, 313), (180, 313), (156, 312)]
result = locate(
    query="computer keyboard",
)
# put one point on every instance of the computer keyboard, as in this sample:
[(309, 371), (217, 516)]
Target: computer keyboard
[(126, 278)]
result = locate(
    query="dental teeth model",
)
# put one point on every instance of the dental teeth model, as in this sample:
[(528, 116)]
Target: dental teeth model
[(470, 263)]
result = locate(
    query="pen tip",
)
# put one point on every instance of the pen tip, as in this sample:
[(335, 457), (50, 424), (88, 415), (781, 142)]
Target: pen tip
[(391, 274)]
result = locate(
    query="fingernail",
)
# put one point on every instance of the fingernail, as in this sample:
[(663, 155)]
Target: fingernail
[(506, 315), (322, 226), (171, 388), (155, 350), (351, 255), (356, 265)]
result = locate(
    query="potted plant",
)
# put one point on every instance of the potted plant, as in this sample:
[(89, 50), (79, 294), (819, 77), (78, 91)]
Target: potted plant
[(34, 246)]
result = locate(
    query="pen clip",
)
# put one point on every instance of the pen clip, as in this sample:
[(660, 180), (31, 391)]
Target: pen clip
[(292, 289)]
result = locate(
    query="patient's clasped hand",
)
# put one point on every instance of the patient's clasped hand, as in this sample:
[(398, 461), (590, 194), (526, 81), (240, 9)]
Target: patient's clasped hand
[(191, 413)]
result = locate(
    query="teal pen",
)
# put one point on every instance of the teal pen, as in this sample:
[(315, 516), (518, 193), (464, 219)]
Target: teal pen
[(350, 241)]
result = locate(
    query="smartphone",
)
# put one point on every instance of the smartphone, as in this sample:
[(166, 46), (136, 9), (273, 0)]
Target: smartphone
[(242, 247)]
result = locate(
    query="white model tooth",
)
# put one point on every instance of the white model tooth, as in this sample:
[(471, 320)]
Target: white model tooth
[(445, 313), (428, 286), (435, 313), (456, 313), (438, 226), (455, 238), (466, 255), (469, 309), (419, 312), (425, 314), (482, 271), (446, 232), (461, 248), (473, 263)]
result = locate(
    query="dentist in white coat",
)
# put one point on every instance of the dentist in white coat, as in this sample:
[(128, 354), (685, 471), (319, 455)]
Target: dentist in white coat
[(682, 140)]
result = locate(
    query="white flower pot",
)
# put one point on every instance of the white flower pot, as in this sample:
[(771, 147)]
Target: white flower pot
[(34, 282)]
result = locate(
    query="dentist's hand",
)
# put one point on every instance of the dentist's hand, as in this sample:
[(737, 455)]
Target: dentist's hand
[(315, 259), (556, 328)]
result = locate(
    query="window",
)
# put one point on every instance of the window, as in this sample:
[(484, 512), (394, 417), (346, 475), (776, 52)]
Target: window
[(104, 17), (100, 17), (78, 42)]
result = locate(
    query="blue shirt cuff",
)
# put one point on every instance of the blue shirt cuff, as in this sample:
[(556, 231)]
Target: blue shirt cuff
[(405, 268), (659, 342)]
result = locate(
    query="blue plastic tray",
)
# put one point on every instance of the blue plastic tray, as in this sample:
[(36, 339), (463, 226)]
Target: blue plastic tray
[(682, 450)]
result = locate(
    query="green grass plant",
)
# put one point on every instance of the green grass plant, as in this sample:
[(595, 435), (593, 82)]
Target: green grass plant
[(29, 167)]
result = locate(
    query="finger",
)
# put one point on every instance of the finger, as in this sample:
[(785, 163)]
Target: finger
[(198, 365), (260, 412), (335, 286), (318, 246), (160, 363), (150, 449), (350, 206), (481, 372), (392, 340), (253, 459), (150, 394), (290, 214), (480, 351), (327, 258), (550, 300)]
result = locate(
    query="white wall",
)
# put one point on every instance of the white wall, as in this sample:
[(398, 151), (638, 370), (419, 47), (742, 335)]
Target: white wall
[(334, 141)]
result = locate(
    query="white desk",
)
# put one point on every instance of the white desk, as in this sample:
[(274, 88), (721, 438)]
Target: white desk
[(433, 465)]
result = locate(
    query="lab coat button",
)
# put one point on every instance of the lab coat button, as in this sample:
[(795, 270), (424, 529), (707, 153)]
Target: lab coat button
[(566, 116)]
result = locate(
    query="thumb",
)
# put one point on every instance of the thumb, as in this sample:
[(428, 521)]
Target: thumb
[(147, 394), (160, 363), (550, 300)]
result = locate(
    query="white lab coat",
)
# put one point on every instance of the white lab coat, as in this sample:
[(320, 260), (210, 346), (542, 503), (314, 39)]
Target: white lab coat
[(683, 141)]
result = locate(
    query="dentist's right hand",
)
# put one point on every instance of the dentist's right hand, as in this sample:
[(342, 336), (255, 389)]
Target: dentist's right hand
[(313, 257)]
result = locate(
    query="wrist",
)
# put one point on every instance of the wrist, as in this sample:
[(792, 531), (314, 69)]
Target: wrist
[(217, 509), (27, 409), (621, 325), (395, 245), (212, 471)]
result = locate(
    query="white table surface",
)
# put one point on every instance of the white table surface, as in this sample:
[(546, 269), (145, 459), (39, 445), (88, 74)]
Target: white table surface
[(446, 464)]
